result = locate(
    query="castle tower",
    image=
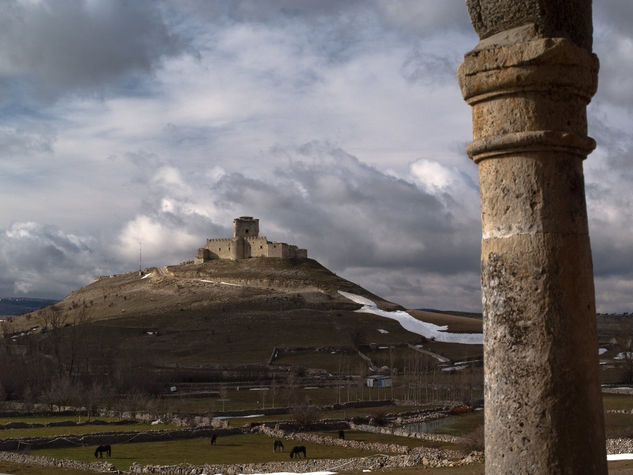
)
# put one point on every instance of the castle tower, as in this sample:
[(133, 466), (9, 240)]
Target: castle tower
[(245, 226)]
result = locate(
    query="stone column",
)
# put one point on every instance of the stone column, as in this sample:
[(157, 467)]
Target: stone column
[(529, 81)]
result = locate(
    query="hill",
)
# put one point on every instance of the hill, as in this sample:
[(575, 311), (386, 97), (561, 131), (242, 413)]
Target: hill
[(226, 320)]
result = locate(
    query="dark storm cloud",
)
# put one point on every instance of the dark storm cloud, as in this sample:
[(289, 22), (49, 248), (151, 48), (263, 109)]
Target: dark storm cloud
[(410, 15), (613, 43), (48, 48), (618, 14), (42, 258), (349, 213)]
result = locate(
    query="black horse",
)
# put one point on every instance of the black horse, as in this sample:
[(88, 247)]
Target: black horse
[(341, 434), (214, 438), (101, 449), (278, 444), (299, 449)]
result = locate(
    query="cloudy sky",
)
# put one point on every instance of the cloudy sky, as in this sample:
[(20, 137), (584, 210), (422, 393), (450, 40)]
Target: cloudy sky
[(338, 123)]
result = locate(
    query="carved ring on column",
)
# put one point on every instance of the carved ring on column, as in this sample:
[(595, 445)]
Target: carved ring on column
[(492, 73)]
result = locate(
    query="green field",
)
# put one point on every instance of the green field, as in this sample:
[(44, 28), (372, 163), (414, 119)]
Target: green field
[(80, 430), (243, 448)]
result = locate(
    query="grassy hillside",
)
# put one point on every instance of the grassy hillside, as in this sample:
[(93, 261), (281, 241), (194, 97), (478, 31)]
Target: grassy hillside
[(222, 321)]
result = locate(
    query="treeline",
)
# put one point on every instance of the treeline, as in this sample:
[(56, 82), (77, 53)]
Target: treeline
[(65, 364)]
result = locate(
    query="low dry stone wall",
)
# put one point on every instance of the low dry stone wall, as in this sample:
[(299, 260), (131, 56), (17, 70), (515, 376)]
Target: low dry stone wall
[(102, 467), (34, 425), (371, 463), (619, 411), (620, 446), (111, 438), (405, 433)]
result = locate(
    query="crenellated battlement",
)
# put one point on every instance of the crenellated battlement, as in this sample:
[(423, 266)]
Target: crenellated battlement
[(246, 243)]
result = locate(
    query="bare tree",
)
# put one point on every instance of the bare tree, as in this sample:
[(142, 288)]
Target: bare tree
[(306, 415), (624, 344)]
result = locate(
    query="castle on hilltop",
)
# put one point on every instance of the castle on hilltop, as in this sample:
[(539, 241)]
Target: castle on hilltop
[(246, 243)]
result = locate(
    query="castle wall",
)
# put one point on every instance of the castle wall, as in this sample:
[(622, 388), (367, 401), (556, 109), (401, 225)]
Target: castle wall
[(221, 248), (247, 243), (286, 251), (256, 246)]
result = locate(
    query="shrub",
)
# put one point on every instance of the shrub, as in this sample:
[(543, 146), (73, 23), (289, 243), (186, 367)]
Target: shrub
[(306, 415)]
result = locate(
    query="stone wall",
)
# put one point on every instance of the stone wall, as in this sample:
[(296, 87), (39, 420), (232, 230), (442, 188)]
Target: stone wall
[(245, 243), (256, 247), (102, 467), (221, 248), (404, 433), (372, 463), (247, 247), (101, 438)]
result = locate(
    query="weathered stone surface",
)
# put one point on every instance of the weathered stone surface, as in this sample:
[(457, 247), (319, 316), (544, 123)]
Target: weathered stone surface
[(529, 81), (552, 18)]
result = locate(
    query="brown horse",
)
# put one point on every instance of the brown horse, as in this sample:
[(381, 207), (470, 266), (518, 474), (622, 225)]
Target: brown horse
[(101, 449)]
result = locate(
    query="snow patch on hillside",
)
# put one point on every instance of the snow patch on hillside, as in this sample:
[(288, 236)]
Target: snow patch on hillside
[(409, 323)]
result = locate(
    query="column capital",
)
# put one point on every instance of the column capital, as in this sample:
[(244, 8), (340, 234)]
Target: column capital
[(511, 80)]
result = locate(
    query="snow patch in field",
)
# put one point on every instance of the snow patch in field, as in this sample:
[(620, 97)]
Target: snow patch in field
[(295, 473), (382, 330), (602, 351), (625, 355), (249, 416), (146, 275), (620, 457), (427, 330), (207, 281), (454, 368), (230, 283)]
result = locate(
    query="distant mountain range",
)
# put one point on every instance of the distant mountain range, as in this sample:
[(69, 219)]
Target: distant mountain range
[(20, 305)]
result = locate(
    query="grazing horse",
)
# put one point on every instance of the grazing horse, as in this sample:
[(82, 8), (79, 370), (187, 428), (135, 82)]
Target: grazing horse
[(296, 450), (278, 444), (341, 434), (214, 438), (103, 448)]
